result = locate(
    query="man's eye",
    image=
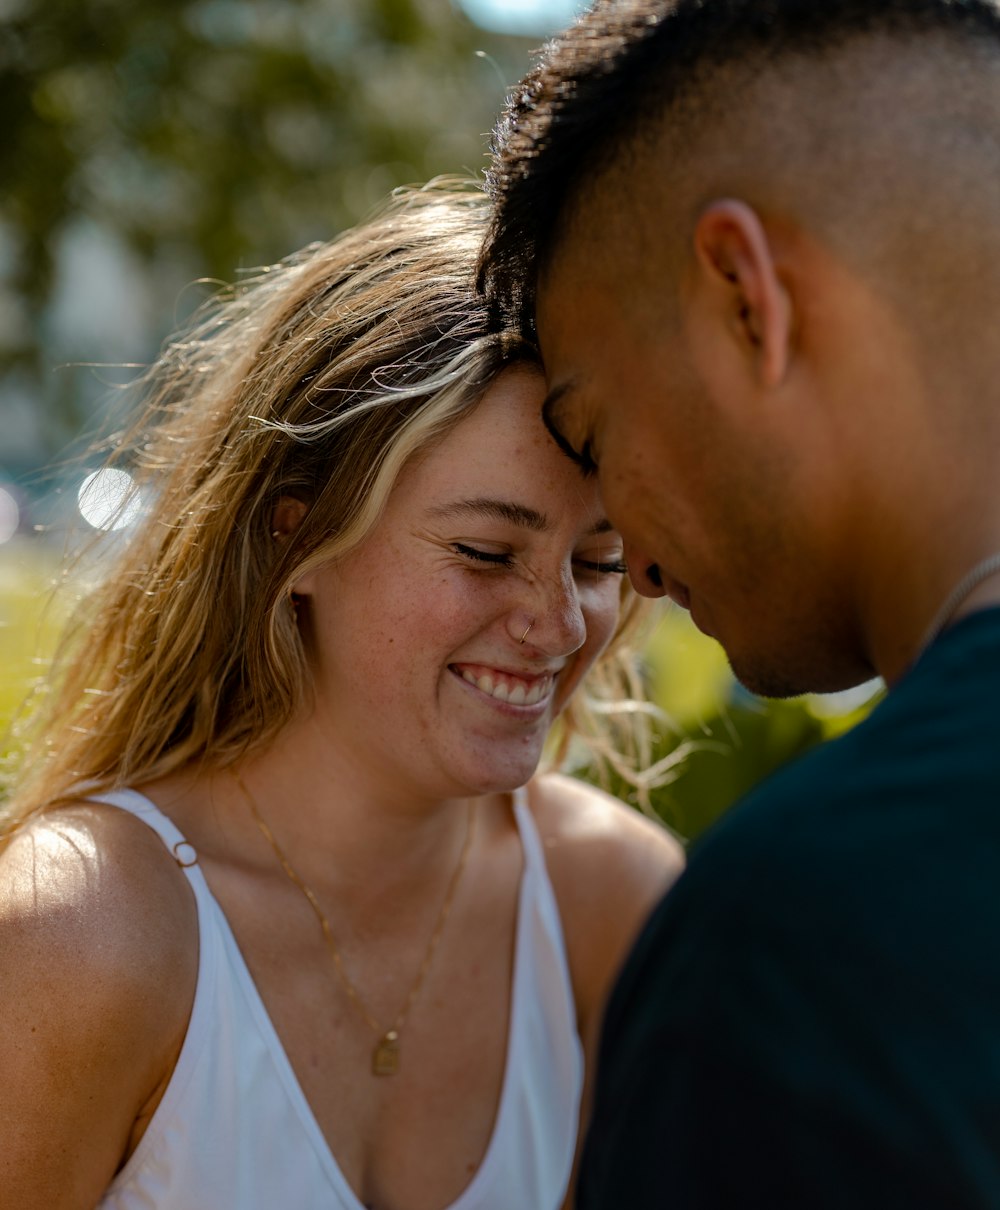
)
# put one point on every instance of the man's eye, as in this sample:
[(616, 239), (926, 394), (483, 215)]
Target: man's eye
[(491, 557), (585, 458)]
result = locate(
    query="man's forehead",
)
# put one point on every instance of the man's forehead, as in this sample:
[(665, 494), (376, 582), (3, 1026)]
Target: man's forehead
[(592, 230), (578, 263), (563, 316), (590, 301), (617, 240)]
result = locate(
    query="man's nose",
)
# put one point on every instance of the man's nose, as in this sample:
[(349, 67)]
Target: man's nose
[(644, 573)]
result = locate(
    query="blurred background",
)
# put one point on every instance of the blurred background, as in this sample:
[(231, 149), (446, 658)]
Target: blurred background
[(152, 148)]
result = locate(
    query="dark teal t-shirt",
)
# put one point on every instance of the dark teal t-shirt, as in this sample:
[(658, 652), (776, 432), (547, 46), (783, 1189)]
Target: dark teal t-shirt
[(811, 1018)]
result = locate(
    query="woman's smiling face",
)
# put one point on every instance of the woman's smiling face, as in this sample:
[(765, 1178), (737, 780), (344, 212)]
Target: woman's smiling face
[(418, 664)]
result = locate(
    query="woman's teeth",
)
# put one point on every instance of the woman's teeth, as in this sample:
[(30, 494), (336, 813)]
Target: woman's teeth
[(516, 693)]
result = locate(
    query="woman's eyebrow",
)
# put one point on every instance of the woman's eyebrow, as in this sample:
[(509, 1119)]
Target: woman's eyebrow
[(498, 510), (506, 510)]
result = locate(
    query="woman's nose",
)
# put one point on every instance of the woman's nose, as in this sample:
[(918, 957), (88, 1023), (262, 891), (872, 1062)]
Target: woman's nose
[(557, 625), (644, 573)]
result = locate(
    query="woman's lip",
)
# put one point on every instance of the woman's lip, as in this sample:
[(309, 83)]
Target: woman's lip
[(527, 675), (528, 692)]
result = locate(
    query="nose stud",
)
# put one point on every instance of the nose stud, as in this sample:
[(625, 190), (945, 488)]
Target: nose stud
[(527, 628)]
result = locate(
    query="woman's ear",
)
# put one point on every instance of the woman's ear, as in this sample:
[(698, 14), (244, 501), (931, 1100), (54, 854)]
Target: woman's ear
[(287, 517), (733, 250)]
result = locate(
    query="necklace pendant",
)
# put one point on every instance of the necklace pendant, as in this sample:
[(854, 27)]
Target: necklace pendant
[(385, 1057)]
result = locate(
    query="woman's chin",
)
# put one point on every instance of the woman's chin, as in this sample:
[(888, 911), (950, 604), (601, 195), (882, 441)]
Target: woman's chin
[(502, 778)]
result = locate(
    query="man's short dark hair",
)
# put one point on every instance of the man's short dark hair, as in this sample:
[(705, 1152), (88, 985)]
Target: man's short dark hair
[(619, 69)]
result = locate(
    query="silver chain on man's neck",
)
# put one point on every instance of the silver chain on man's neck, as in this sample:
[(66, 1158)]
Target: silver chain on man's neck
[(990, 566)]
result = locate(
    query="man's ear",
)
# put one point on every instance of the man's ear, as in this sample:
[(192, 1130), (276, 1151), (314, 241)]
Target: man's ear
[(733, 250)]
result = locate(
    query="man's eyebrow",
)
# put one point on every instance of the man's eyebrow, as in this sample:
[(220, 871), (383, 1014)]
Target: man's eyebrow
[(500, 510)]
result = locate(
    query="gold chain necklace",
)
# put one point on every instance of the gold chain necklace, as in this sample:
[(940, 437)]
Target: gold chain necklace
[(385, 1056)]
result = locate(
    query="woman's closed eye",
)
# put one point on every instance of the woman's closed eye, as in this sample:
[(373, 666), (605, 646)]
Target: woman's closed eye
[(608, 567), (493, 558)]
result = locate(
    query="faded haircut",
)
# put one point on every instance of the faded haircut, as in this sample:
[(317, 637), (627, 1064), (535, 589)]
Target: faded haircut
[(622, 70)]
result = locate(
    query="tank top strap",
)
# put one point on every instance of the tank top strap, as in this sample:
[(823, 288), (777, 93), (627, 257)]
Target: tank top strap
[(546, 960), (537, 1125), (542, 950), (181, 849), (531, 842)]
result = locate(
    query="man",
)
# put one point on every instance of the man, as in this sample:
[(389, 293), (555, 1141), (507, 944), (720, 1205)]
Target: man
[(760, 240)]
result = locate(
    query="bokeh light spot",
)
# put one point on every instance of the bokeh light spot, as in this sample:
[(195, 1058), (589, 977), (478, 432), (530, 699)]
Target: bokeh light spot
[(10, 516), (524, 17), (109, 499)]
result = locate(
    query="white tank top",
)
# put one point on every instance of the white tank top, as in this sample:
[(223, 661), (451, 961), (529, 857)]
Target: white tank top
[(234, 1131)]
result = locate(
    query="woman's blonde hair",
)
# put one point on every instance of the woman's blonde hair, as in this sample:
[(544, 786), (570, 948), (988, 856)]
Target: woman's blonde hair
[(318, 379)]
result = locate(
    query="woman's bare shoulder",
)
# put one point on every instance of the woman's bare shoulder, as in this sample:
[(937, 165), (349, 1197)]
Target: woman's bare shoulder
[(580, 823), (92, 905), (87, 872), (99, 935), (609, 866)]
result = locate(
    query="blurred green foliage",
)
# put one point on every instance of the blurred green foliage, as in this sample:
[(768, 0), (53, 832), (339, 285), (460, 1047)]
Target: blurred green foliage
[(29, 624), (208, 136), (725, 740)]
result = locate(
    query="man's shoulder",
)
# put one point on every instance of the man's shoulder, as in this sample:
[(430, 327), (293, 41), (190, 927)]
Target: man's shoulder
[(921, 751), (850, 892), (787, 818), (845, 842)]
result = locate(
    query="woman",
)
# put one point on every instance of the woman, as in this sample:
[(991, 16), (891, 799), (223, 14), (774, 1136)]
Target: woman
[(278, 926)]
